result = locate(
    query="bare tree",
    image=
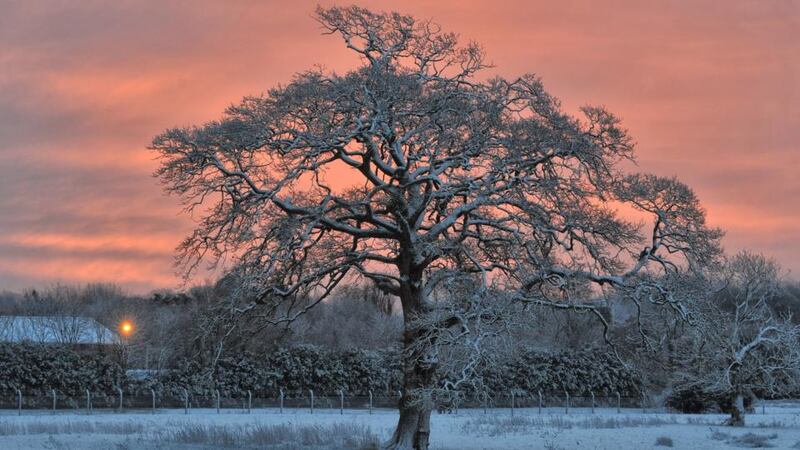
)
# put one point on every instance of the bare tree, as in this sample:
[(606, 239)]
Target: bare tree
[(61, 310), (354, 317), (446, 176), (741, 346)]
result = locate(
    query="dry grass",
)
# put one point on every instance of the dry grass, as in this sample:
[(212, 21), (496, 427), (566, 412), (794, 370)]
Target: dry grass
[(501, 425), (747, 440), (71, 427), (274, 437), (176, 435), (752, 440)]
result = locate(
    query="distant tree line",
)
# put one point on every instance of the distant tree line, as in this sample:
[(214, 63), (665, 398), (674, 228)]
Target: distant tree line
[(186, 341)]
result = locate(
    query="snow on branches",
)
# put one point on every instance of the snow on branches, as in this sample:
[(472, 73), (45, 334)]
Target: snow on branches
[(435, 174)]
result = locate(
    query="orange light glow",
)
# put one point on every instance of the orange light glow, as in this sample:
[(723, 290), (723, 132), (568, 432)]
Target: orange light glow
[(126, 328)]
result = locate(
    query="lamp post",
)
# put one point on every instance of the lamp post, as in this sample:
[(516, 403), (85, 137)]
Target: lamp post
[(126, 329)]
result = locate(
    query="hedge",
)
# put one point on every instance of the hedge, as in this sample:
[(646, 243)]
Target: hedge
[(41, 368), (36, 369), (358, 371)]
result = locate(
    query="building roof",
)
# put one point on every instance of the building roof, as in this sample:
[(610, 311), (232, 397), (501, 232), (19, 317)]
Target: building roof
[(55, 330)]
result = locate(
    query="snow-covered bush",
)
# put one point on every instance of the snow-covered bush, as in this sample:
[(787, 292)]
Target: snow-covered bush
[(693, 399), (294, 370), (358, 371), (578, 373), (36, 369)]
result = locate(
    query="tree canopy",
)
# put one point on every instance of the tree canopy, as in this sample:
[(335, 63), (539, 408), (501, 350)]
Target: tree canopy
[(414, 171)]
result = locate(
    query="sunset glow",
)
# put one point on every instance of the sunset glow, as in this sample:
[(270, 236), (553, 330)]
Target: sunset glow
[(709, 90)]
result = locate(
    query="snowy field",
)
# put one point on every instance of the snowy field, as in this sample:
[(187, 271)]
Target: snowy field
[(469, 429)]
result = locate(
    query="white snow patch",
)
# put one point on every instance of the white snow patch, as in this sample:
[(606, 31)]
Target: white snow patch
[(468, 430)]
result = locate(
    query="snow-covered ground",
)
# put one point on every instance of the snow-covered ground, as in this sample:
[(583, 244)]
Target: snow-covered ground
[(468, 430)]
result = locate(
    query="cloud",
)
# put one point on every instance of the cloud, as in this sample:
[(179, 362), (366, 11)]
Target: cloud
[(710, 91)]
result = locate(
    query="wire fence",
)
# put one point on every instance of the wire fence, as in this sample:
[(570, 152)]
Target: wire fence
[(309, 400)]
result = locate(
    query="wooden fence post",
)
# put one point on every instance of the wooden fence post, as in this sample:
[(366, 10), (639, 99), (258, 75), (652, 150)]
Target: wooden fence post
[(540, 401), (119, 391)]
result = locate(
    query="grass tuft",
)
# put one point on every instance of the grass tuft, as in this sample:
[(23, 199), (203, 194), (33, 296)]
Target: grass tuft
[(747, 440), (664, 441), (282, 436), (752, 440)]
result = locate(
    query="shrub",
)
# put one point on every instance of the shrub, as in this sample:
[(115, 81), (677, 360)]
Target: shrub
[(752, 440), (578, 373), (664, 441), (693, 399), (36, 369), (295, 370), (41, 368)]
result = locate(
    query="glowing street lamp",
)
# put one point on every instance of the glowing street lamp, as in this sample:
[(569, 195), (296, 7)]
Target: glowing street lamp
[(126, 328)]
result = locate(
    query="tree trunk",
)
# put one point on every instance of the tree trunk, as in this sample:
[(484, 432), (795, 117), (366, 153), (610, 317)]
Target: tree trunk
[(737, 410), (413, 429), (419, 368)]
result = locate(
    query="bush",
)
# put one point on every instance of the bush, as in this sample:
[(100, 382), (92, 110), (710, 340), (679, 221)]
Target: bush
[(664, 441), (578, 373), (297, 369), (693, 399), (752, 440), (36, 369), (690, 400), (358, 371)]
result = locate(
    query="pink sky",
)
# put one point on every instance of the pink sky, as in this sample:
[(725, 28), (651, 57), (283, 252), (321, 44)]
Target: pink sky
[(710, 90)]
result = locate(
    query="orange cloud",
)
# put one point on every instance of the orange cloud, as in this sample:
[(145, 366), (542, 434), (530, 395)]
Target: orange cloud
[(710, 90)]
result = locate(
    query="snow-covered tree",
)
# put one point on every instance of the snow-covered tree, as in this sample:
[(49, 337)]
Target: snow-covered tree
[(416, 173), (740, 345)]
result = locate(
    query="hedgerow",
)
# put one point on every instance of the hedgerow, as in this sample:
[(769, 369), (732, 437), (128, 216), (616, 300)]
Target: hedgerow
[(37, 369), (41, 368)]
